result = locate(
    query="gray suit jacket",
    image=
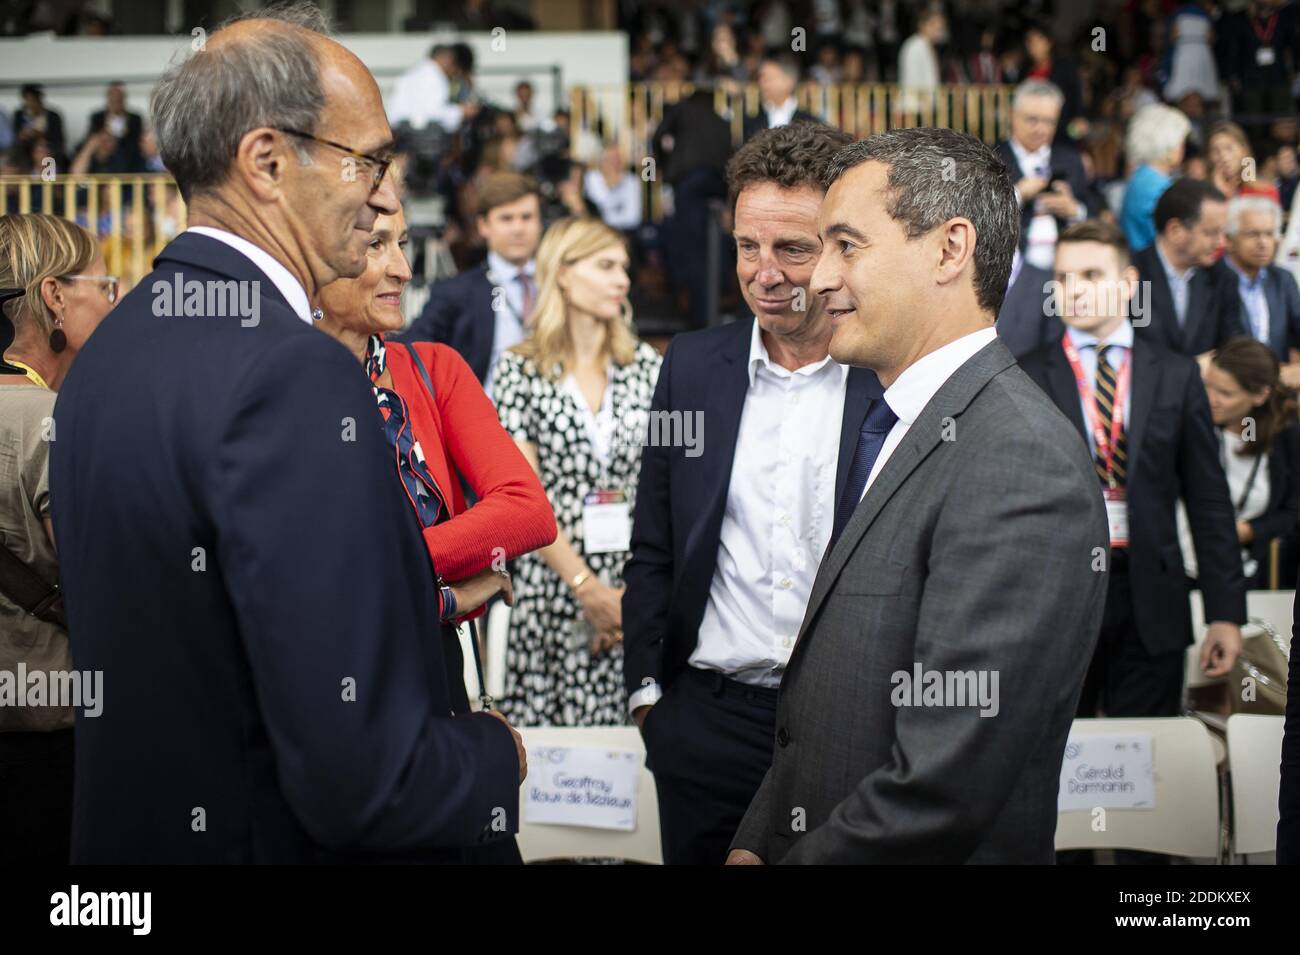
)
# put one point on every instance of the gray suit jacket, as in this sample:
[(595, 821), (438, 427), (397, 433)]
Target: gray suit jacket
[(981, 546)]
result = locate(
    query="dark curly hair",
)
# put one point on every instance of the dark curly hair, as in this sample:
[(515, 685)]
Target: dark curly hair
[(790, 156)]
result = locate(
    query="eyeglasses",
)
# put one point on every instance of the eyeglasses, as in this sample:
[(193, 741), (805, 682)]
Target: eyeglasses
[(108, 283), (380, 165)]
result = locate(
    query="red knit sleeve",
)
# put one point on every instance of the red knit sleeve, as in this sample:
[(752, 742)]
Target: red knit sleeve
[(512, 516)]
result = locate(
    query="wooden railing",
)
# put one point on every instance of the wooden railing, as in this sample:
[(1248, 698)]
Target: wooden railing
[(628, 114), (132, 216)]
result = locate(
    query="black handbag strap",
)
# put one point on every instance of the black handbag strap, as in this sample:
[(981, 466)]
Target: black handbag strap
[(29, 591), (483, 695), (424, 372)]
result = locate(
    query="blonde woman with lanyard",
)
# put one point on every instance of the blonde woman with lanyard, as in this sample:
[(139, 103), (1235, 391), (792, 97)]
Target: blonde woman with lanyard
[(575, 397), (53, 277)]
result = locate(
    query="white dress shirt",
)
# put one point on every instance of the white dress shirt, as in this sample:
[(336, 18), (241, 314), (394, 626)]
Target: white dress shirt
[(280, 277), (422, 95), (619, 204), (777, 519), (1040, 247), (778, 116), (1179, 284), (1121, 344), (913, 389), (510, 320)]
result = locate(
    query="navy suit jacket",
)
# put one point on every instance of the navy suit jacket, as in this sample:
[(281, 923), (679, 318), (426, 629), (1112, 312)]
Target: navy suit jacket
[(1024, 324), (751, 126), (241, 563), (1283, 299), (459, 313), (1172, 452), (680, 500), (1214, 312), (1066, 161)]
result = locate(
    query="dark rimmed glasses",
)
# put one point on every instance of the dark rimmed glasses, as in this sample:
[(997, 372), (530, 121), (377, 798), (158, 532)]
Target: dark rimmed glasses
[(379, 164)]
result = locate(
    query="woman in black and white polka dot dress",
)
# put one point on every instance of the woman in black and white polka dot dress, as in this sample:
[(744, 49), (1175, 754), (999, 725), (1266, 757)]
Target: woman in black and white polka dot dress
[(575, 396)]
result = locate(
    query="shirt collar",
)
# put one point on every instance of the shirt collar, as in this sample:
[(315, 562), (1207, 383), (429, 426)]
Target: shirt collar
[(280, 277), (499, 266), (1040, 156), (1242, 277), (1122, 336), (758, 356), (783, 113), (1170, 271), (913, 389)]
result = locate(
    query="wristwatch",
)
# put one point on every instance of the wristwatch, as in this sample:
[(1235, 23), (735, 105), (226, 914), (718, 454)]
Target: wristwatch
[(448, 601)]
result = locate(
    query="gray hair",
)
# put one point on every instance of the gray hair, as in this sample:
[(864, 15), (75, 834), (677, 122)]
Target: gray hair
[(1240, 205), (939, 174), (1037, 89), (202, 107), (1154, 132)]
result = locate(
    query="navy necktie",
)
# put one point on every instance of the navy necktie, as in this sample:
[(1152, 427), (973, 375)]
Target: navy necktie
[(875, 427)]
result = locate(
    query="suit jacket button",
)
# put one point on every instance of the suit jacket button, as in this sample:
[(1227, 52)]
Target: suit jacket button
[(782, 737)]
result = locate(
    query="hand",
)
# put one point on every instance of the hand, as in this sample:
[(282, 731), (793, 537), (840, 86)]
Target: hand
[(473, 592), (743, 857), (640, 713), (602, 606), (1245, 533), (1029, 187), (1221, 648), (600, 642), (1059, 201), (519, 744), (1290, 375)]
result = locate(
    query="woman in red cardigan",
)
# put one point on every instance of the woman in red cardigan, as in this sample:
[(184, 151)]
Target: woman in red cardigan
[(441, 437)]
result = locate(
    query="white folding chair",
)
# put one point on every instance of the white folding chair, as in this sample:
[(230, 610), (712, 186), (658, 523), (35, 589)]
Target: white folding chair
[(542, 842), (1185, 819), (1254, 759)]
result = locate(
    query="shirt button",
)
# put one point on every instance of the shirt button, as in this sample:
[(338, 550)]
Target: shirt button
[(794, 399), (785, 520), (787, 642), (785, 583)]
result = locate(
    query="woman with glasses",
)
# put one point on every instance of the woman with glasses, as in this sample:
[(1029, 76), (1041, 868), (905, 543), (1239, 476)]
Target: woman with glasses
[(52, 272)]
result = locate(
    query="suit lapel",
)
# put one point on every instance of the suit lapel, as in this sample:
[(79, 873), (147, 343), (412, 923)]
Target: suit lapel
[(1064, 389), (1199, 290), (925, 433), (483, 325), (1161, 317), (1145, 379), (725, 400)]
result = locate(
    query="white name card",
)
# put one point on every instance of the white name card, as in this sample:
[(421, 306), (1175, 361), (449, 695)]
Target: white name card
[(582, 786), (1111, 772)]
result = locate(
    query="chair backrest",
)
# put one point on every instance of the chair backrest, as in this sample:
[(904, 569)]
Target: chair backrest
[(1254, 759), (541, 842), (1185, 819)]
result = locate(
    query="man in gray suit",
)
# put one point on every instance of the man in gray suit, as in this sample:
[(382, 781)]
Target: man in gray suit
[(925, 708)]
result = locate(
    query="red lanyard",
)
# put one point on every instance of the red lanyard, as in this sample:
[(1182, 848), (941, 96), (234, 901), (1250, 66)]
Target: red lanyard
[(1106, 443), (1267, 35)]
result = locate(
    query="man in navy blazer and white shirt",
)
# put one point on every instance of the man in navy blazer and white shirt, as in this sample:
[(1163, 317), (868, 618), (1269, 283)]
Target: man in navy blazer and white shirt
[(237, 559), (728, 534), (1270, 300)]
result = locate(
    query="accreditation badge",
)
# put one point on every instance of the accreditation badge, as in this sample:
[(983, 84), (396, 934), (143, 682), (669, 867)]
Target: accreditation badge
[(1116, 516), (606, 522)]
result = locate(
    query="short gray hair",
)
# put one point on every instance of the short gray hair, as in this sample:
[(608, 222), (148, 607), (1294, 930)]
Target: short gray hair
[(202, 107), (939, 174), (1154, 132), (1036, 89), (1240, 205)]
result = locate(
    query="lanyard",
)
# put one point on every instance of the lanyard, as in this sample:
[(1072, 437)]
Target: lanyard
[(1267, 34), (1250, 481), (1106, 443), (32, 374)]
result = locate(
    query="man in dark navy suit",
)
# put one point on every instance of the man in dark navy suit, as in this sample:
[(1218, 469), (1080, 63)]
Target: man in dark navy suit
[(1270, 299), (238, 560), (730, 527), (777, 78), (485, 310), (1145, 417), (1188, 302)]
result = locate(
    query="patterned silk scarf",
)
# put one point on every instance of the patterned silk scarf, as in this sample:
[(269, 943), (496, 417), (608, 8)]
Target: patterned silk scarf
[(422, 490)]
